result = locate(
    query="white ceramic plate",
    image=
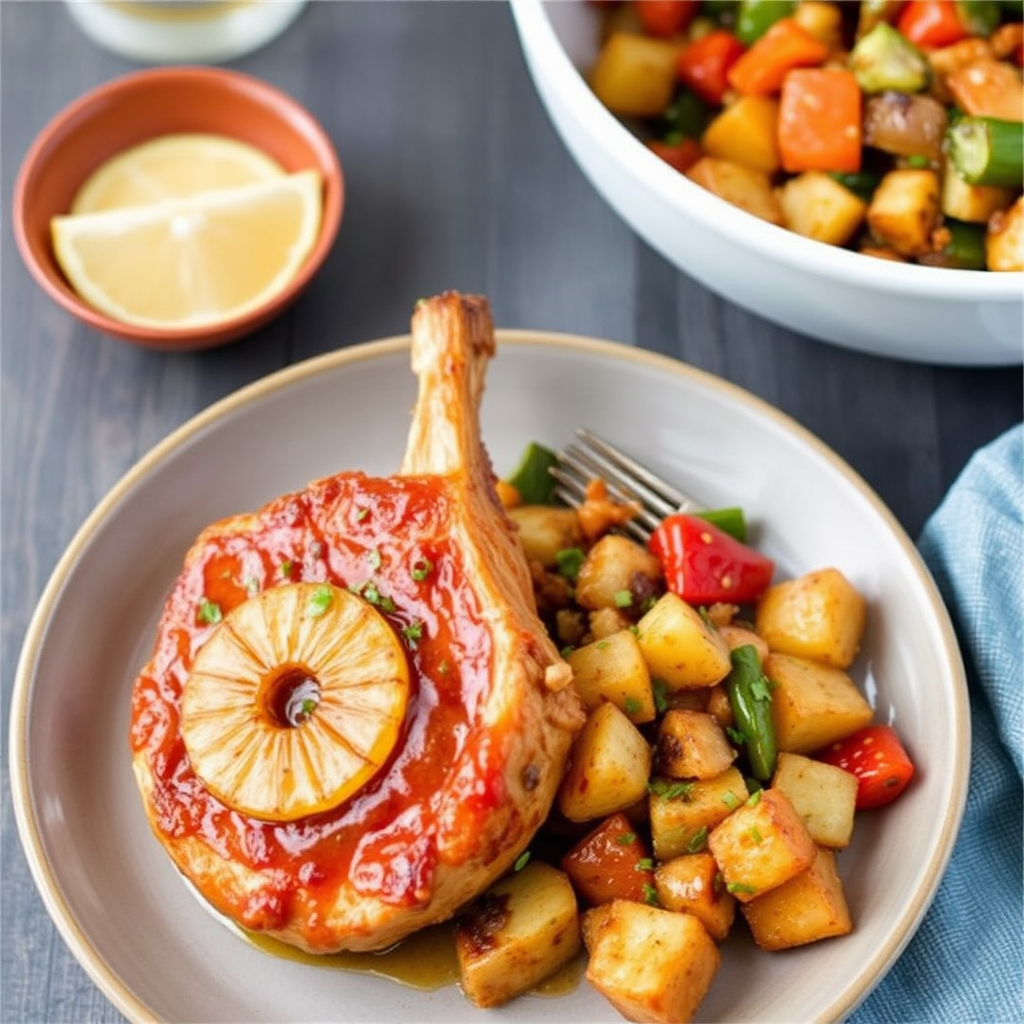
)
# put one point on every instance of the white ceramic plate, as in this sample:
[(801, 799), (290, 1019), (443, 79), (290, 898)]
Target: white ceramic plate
[(116, 899)]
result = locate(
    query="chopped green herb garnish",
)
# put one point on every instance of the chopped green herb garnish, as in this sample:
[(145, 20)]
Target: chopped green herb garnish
[(308, 706), (209, 612), (602, 644), (645, 864), (285, 569), (413, 632), (633, 706), (670, 790), (361, 514), (660, 691), (754, 799), (568, 561), (736, 738), (374, 558), (319, 601), (626, 839), (421, 569), (521, 861), (623, 598), (651, 895), (731, 800), (698, 840), (734, 887), (755, 834)]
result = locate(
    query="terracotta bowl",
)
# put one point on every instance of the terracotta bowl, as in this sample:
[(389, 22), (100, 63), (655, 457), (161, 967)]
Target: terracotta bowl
[(144, 105)]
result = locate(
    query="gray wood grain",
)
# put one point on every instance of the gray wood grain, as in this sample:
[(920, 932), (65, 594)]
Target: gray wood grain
[(455, 179)]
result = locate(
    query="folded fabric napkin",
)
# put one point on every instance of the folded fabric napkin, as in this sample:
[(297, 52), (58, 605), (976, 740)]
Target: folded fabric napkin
[(966, 962)]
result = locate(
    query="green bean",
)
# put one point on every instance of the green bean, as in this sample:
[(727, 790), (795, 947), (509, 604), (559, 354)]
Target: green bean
[(987, 151), (751, 701)]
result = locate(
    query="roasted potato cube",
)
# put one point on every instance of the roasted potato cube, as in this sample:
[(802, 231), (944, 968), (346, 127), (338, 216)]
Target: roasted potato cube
[(603, 622), (905, 209), (743, 186), (635, 75), (817, 206), (618, 573), (614, 669), (543, 532), (682, 650), (823, 795), (1004, 240), (612, 862), (718, 704), (822, 20), (683, 813), (735, 636), (745, 132), (988, 88), (971, 203), (692, 745), (809, 907), (693, 883), (650, 964), (819, 615), (609, 767), (523, 929), (812, 704), (762, 844)]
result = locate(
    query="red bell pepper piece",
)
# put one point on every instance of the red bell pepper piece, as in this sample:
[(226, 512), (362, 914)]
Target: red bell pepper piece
[(681, 155), (704, 565), (878, 759), (931, 23), (703, 66), (665, 18)]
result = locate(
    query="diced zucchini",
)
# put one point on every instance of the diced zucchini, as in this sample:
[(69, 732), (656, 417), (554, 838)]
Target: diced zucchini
[(885, 59)]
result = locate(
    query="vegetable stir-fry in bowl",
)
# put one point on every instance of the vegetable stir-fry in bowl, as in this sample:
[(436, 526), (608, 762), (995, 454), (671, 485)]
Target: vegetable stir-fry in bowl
[(891, 128), (851, 170)]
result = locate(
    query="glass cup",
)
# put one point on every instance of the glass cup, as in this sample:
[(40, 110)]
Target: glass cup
[(169, 31)]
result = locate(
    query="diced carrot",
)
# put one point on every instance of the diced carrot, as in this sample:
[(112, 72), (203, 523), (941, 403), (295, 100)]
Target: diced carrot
[(681, 155), (703, 65), (820, 121), (931, 23), (786, 45)]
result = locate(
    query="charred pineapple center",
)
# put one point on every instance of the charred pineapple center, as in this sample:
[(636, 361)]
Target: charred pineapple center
[(295, 701), (290, 696)]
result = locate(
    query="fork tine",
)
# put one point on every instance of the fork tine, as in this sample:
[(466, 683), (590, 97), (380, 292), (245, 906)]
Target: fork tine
[(661, 493)]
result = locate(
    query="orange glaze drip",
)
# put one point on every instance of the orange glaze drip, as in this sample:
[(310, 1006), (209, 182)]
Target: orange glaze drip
[(350, 530)]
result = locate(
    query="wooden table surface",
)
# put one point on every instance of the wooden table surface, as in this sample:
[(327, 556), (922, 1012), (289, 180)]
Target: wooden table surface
[(455, 179)]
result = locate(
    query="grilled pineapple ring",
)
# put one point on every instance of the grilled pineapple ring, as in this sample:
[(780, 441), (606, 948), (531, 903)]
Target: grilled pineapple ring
[(295, 701)]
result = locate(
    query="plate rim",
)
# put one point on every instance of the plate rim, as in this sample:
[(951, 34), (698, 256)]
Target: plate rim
[(114, 987)]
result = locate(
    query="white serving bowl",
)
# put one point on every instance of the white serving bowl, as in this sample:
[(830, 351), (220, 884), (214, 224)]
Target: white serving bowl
[(925, 314)]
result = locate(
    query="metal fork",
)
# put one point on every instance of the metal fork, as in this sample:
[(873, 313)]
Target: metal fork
[(590, 456)]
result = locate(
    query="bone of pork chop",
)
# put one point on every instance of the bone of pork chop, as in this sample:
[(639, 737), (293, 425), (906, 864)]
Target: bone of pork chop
[(391, 859)]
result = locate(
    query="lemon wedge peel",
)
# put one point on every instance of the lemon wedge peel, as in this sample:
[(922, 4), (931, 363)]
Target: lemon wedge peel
[(243, 750), (173, 166), (197, 261)]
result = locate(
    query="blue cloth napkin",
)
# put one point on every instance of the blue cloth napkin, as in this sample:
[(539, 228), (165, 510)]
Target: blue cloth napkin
[(966, 962)]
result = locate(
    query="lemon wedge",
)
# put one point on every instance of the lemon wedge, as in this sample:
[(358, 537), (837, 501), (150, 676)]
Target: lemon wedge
[(172, 167), (194, 261)]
